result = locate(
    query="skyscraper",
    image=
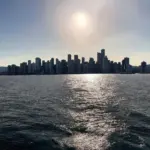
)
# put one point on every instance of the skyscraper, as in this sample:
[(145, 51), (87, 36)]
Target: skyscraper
[(112, 67), (99, 66), (58, 66), (38, 65), (91, 65), (69, 57), (103, 52), (76, 64), (52, 66), (23, 68), (83, 60), (115, 67), (102, 60), (106, 65), (63, 67), (43, 68), (75, 57), (29, 67), (143, 67), (119, 67), (82, 64), (69, 64), (47, 65), (127, 64), (98, 58), (85, 67), (33, 68)]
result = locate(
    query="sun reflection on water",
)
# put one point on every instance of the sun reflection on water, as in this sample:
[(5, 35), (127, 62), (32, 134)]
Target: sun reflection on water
[(93, 122)]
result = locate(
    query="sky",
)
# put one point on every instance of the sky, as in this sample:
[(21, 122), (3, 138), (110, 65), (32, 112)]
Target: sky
[(55, 28)]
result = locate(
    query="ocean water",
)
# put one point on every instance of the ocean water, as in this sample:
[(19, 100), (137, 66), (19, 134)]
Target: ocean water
[(75, 112)]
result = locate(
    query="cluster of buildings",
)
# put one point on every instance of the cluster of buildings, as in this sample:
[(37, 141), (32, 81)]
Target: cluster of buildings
[(75, 66)]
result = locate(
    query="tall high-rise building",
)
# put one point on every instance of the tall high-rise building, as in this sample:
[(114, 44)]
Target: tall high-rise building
[(47, 67), (69, 57), (119, 67), (127, 61), (106, 64), (43, 68), (76, 64), (126, 68), (29, 67), (82, 65), (91, 66), (13, 70), (85, 67), (98, 58), (75, 57), (103, 52), (79, 66), (111, 67), (63, 67), (38, 65), (83, 60), (33, 66), (58, 66), (102, 64), (123, 66), (126, 64), (70, 65), (23, 68), (115, 66), (99, 61), (52, 66), (143, 67)]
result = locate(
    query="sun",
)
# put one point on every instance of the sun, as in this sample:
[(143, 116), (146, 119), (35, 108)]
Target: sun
[(80, 20)]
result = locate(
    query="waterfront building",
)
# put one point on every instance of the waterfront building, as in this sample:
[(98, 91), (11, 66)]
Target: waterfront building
[(29, 67), (38, 65), (52, 66), (143, 67)]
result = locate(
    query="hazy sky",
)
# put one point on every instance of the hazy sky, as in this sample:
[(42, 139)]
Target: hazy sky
[(50, 28)]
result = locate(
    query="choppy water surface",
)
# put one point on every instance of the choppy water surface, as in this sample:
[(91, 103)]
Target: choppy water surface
[(75, 112)]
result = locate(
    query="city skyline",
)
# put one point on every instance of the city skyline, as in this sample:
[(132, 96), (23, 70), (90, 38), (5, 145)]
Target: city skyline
[(40, 28), (72, 55), (75, 65), (21, 58)]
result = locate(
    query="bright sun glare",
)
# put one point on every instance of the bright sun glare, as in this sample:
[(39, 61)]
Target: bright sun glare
[(80, 20), (80, 25)]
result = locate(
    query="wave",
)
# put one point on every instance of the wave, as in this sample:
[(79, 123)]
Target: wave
[(134, 136), (22, 142)]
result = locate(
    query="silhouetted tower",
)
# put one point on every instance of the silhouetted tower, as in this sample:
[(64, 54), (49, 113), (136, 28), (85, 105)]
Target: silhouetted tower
[(29, 67), (143, 67), (99, 61), (52, 66), (63, 67), (91, 65), (69, 64), (43, 67), (38, 65), (82, 64), (76, 64)]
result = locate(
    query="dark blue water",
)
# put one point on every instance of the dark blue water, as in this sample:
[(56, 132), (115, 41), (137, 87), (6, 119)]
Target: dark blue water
[(75, 112)]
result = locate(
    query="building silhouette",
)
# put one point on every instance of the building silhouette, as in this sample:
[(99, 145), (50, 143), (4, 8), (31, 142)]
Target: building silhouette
[(38, 65), (29, 67), (75, 66), (143, 67)]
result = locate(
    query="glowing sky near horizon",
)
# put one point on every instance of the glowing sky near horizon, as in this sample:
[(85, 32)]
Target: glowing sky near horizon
[(54, 28)]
